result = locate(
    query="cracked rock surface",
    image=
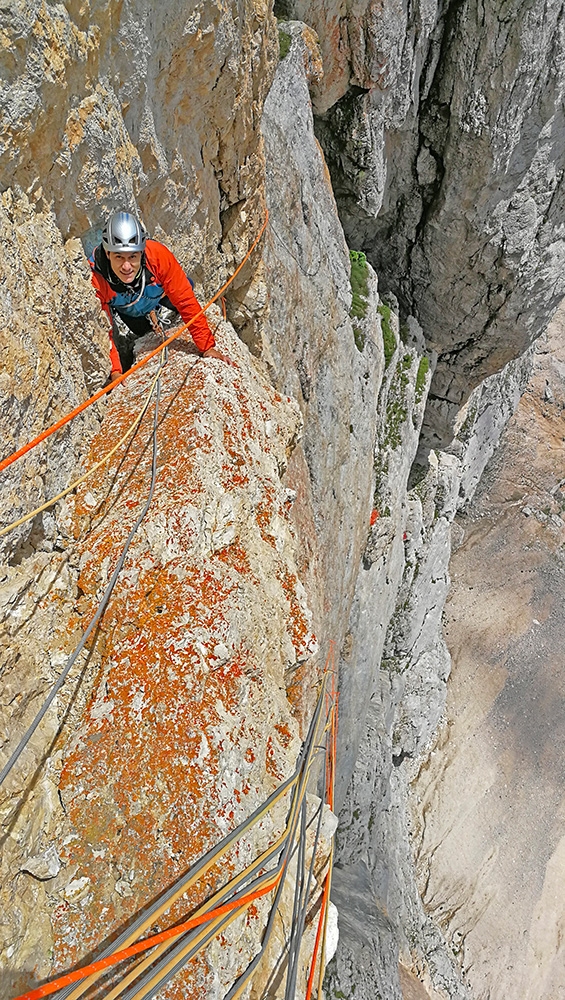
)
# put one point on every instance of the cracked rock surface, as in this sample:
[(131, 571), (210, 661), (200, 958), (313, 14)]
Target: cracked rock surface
[(445, 147), (489, 818), (442, 124)]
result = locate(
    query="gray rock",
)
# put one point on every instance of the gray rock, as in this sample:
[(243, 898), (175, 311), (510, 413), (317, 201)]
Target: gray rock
[(445, 169), (43, 866), (309, 341), (442, 126)]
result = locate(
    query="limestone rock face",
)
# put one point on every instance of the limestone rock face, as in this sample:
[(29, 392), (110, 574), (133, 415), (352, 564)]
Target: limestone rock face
[(482, 419), (393, 685), (310, 342), (89, 92), (488, 800), (400, 412), (97, 115), (297, 499), (443, 145), (393, 679), (54, 355)]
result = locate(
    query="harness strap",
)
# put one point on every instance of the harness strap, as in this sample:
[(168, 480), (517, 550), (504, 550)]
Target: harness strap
[(142, 289)]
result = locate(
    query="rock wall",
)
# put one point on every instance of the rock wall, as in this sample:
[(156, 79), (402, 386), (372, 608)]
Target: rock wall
[(388, 711), (311, 344), (442, 125), (67, 857), (488, 801), (143, 107), (393, 683), (97, 114), (103, 97), (55, 354)]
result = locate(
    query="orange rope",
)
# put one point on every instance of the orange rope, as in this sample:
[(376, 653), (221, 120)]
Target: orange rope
[(173, 933), (135, 949), (316, 943), (330, 773), (102, 392)]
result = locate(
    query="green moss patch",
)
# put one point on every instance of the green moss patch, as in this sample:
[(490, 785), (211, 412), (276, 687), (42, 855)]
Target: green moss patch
[(285, 41), (359, 293), (396, 410), (359, 284), (423, 369), (389, 340)]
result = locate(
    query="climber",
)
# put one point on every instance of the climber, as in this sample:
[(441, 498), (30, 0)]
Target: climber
[(132, 276)]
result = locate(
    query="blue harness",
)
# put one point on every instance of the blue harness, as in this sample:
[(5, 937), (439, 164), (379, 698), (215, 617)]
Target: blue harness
[(139, 303)]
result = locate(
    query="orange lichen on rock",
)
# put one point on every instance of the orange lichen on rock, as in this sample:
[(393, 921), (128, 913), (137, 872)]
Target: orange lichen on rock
[(187, 726), (299, 623)]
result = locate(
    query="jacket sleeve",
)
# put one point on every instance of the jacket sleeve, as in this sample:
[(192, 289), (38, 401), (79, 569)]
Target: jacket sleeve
[(104, 294), (177, 287)]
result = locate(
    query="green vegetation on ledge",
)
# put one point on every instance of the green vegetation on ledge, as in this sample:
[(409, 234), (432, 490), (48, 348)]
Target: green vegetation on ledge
[(397, 410), (389, 340), (359, 284), (359, 292), (285, 41), (423, 369)]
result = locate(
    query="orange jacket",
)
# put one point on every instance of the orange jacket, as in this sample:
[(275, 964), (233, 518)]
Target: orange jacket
[(165, 272)]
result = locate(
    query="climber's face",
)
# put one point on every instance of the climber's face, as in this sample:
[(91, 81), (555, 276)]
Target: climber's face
[(125, 265)]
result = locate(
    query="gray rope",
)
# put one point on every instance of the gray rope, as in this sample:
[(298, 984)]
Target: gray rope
[(283, 863), (203, 861), (101, 607), (245, 976), (298, 930), (182, 943), (283, 957), (294, 945)]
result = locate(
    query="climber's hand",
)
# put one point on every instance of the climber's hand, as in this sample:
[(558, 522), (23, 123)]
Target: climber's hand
[(213, 353)]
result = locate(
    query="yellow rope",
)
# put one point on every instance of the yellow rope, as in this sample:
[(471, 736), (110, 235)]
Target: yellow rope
[(325, 927), (300, 778), (161, 949), (186, 884), (219, 924), (49, 503), (216, 923), (142, 992)]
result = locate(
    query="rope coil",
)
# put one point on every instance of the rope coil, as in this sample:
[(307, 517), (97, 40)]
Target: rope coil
[(214, 915)]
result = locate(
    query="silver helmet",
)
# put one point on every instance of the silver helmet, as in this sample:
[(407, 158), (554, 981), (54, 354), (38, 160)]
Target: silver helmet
[(123, 232)]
